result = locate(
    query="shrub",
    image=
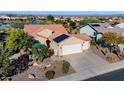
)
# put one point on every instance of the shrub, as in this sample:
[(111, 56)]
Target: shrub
[(65, 67), (50, 74)]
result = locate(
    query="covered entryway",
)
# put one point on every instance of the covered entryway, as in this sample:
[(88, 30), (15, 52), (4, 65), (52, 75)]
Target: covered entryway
[(86, 45), (70, 49)]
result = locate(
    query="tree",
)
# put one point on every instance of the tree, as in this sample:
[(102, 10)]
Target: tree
[(72, 24), (50, 18), (35, 54), (58, 22), (68, 19), (17, 39), (110, 38), (90, 20), (41, 53), (44, 52), (31, 18), (4, 62), (120, 40)]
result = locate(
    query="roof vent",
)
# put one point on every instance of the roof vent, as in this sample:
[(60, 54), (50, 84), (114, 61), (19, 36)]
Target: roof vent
[(53, 32), (95, 25)]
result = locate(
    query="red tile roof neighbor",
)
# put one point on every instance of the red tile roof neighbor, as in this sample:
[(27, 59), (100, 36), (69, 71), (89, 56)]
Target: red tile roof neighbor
[(84, 37), (34, 29)]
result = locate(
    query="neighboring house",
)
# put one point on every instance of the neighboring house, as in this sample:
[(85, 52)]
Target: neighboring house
[(95, 30), (15, 17), (121, 25), (4, 17), (90, 31), (121, 46), (57, 38), (43, 18)]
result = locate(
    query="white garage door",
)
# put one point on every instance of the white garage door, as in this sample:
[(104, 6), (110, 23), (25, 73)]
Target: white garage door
[(70, 49)]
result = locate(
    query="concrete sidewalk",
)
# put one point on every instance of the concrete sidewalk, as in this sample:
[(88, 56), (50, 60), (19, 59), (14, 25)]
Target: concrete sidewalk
[(87, 65)]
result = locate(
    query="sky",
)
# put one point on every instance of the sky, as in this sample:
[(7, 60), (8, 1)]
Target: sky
[(70, 13)]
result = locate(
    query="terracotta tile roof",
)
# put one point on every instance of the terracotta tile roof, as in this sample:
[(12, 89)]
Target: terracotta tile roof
[(58, 29), (84, 37)]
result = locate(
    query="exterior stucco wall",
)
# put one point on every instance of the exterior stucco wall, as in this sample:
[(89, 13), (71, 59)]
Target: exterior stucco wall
[(88, 30), (121, 47), (42, 40), (86, 45), (57, 47), (99, 36)]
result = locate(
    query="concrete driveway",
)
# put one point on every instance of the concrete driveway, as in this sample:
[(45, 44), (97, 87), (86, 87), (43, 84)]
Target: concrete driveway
[(87, 65)]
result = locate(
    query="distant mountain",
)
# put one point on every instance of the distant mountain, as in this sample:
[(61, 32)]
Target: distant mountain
[(67, 13)]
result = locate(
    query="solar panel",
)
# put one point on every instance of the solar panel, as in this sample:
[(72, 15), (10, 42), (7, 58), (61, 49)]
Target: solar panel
[(95, 25), (60, 38)]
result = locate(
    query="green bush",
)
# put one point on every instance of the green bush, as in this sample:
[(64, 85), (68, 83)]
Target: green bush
[(50, 74), (65, 67)]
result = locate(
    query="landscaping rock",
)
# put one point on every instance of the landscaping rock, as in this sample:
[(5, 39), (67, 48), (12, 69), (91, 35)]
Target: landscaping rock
[(31, 76)]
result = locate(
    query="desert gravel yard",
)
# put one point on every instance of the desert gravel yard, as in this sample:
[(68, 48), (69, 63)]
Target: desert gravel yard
[(39, 72)]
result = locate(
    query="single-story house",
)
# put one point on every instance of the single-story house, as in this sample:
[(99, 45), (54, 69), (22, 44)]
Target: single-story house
[(70, 44), (4, 17), (121, 25), (57, 38), (89, 30), (96, 30)]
